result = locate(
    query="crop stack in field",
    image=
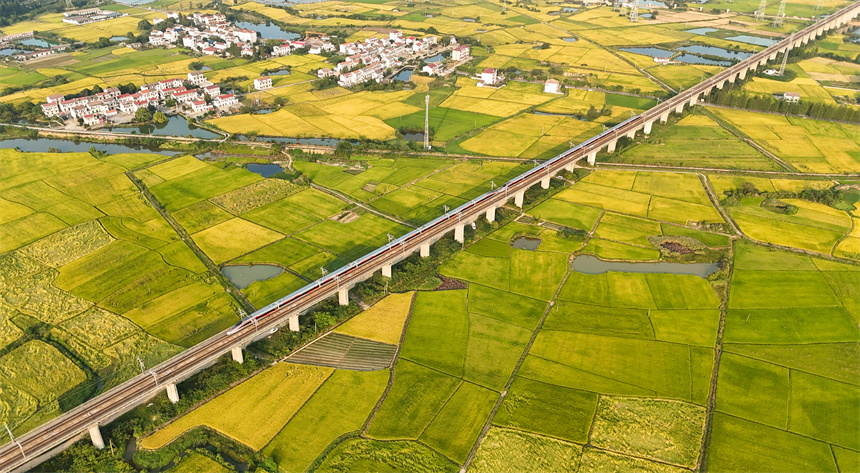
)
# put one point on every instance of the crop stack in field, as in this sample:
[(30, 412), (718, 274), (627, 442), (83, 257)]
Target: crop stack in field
[(337, 350)]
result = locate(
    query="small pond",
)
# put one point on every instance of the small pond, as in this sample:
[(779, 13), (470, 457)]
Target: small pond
[(470, 20), (10, 51), (175, 126), (264, 170), (117, 39), (265, 111), (712, 51), (526, 243), (569, 9), (653, 52), (243, 275), (404, 75), (651, 4), (757, 40), (268, 31), (569, 40), (588, 264), (205, 68), (701, 31), (41, 145), (282, 72), (436, 58), (646, 15)]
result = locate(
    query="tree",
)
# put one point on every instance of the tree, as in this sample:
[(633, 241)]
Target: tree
[(234, 50), (142, 115), (323, 320), (144, 25), (196, 65), (103, 42), (159, 118)]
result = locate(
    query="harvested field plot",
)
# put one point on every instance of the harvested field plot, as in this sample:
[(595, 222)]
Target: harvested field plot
[(668, 431), (233, 238), (504, 450), (383, 322), (371, 455), (341, 351)]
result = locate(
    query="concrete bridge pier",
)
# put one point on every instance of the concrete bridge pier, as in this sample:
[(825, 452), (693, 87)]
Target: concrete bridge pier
[(693, 100), (570, 167), (172, 393), (294, 323), (680, 108), (518, 198), (763, 62), (343, 296), (424, 251), (631, 134), (664, 117), (237, 354), (491, 214), (647, 128), (459, 233), (742, 74), (720, 84), (386, 270), (731, 79), (544, 183), (610, 148), (592, 158), (96, 436), (773, 56)]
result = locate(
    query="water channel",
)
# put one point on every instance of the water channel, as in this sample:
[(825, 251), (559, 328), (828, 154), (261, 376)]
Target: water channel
[(41, 145), (404, 75), (756, 40), (436, 58), (570, 39), (701, 31), (712, 51), (588, 264), (176, 126), (243, 276)]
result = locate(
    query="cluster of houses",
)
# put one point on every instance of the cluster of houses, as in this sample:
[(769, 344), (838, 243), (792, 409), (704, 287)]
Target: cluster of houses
[(93, 110), (458, 54), (368, 60), (199, 37), (90, 15), (313, 45)]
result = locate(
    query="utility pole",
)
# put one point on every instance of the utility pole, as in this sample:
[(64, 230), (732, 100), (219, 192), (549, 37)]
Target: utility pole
[(759, 14), (427, 121), (785, 55), (780, 15)]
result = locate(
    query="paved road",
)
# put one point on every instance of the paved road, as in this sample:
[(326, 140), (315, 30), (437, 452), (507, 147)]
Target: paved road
[(183, 365)]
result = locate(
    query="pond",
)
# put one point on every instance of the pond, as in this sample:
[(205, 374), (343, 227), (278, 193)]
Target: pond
[(268, 31), (176, 125), (282, 72), (756, 40), (36, 42), (470, 20), (117, 39), (569, 9), (526, 243), (588, 264), (653, 52), (701, 31), (570, 40), (243, 276), (712, 51), (404, 75), (10, 51), (264, 170), (693, 59), (41, 145), (651, 4), (436, 58)]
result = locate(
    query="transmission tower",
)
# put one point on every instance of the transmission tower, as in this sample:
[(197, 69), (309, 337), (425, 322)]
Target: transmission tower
[(759, 14), (818, 5), (785, 56), (427, 121), (780, 15), (69, 4), (634, 12)]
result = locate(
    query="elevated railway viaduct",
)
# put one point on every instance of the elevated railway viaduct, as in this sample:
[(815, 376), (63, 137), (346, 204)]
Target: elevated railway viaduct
[(38, 444)]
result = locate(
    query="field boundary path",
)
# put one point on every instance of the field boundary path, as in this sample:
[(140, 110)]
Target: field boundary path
[(40, 442)]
